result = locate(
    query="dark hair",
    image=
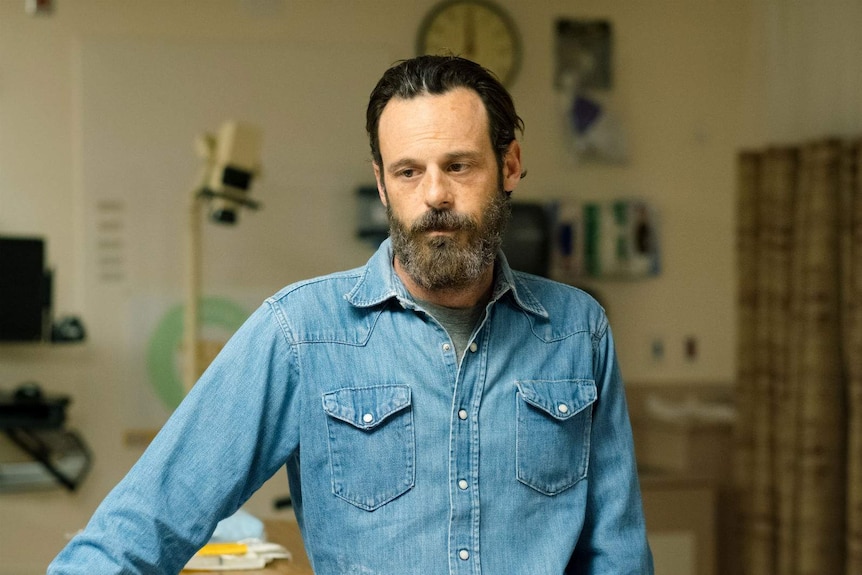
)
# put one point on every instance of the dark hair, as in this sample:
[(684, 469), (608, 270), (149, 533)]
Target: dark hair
[(438, 75)]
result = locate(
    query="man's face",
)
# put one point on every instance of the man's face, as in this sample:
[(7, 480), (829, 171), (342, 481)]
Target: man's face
[(442, 187)]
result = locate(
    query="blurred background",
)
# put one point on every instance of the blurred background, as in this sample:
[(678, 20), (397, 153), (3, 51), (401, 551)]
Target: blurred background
[(101, 103)]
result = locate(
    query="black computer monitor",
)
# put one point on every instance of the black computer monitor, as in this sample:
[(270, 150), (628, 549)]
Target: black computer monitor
[(527, 240), (24, 289)]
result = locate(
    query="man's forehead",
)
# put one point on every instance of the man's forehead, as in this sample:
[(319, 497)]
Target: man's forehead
[(455, 96), (458, 113)]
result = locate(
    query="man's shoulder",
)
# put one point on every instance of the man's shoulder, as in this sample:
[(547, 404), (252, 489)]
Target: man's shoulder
[(318, 309), (325, 287), (553, 292), (565, 305)]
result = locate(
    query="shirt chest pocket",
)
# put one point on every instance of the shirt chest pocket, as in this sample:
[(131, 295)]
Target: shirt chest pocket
[(371, 443), (553, 432)]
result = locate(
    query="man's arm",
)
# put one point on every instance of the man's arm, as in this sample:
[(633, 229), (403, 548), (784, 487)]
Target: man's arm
[(229, 435), (613, 540)]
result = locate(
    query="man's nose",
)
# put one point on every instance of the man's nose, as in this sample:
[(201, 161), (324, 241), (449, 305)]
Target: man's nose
[(438, 190)]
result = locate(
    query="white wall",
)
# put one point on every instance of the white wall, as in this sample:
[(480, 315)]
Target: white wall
[(67, 141), (806, 75)]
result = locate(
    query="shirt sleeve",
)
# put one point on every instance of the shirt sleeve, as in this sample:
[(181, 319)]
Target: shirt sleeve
[(231, 433), (613, 540)]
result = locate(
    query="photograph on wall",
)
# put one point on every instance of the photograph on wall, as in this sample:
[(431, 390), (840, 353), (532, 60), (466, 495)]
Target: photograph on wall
[(583, 49), (584, 77), (621, 239)]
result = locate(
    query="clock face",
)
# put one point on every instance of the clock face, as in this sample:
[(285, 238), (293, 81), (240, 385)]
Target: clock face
[(475, 29)]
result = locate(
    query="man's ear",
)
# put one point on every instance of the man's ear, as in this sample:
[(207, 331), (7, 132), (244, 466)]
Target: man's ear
[(381, 186), (512, 166)]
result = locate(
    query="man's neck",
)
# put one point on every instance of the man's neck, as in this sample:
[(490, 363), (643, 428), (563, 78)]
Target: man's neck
[(462, 297)]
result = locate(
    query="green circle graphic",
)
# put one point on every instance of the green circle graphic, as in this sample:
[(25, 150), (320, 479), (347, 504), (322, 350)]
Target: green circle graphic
[(168, 336)]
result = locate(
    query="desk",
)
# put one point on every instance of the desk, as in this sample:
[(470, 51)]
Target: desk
[(681, 522), (284, 533)]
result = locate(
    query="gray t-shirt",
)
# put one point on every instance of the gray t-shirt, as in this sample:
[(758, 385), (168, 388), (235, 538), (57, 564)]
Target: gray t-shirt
[(458, 322)]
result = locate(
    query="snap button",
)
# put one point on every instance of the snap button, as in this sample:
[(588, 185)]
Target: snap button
[(462, 414), (473, 347), (464, 554), (463, 484), (367, 418), (446, 347), (563, 408)]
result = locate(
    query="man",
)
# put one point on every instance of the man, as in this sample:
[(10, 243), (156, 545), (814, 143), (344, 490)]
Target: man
[(436, 411)]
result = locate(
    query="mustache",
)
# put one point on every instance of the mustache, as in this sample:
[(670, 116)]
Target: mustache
[(443, 221)]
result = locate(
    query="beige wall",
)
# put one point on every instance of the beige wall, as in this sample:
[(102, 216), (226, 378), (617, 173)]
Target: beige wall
[(683, 71), (806, 76)]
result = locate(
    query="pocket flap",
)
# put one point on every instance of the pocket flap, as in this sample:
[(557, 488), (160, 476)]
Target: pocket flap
[(561, 398), (366, 407)]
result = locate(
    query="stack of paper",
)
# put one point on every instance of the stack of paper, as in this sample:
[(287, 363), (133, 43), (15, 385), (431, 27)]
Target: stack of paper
[(241, 555)]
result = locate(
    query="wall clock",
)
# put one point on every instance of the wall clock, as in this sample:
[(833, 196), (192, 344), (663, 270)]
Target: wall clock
[(479, 30)]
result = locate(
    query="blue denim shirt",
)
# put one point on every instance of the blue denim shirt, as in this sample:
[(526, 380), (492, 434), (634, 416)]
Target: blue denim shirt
[(518, 461)]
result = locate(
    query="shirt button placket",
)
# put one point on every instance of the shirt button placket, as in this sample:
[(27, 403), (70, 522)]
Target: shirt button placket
[(466, 560), (462, 510), (463, 533)]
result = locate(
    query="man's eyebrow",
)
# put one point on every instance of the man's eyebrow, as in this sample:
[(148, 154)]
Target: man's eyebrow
[(464, 155), (399, 164), (472, 155)]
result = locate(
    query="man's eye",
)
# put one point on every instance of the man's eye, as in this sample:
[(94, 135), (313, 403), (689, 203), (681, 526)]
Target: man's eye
[(408, 173), (457, 167)]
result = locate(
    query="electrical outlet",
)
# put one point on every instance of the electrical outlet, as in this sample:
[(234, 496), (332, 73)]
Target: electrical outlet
[(36, 7), (657, 349), (690, 348)]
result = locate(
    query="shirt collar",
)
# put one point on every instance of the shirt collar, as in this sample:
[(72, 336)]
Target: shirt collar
[(379, 283)]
